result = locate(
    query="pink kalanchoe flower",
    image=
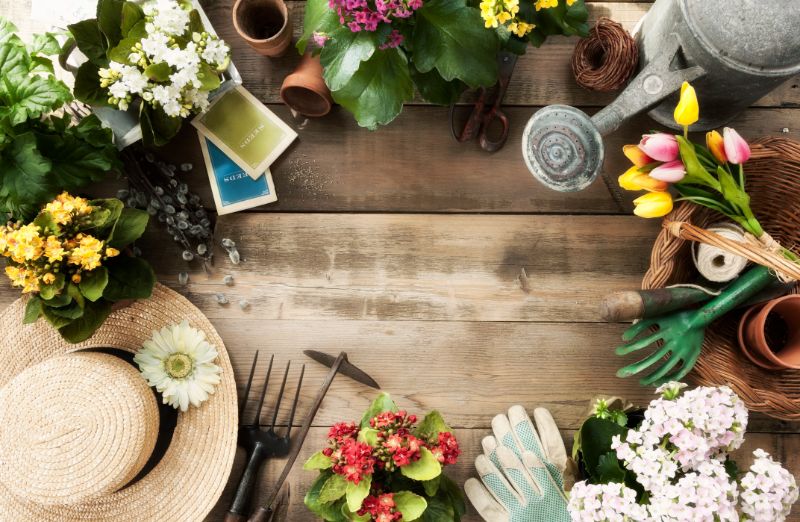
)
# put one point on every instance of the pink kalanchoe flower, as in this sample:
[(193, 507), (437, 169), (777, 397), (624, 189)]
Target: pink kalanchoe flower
[(660, 146), (671, 172), (736, 148)]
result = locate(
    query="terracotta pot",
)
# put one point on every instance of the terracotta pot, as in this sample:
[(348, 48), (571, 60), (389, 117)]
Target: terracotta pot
[(305, 91), (264, 24), (769, 334)]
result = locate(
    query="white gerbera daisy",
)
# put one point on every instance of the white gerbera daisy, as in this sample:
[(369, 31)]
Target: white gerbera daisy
[(180, 364)]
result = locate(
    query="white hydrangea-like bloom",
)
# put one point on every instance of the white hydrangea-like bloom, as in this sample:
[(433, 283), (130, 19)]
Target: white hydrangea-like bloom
[(605, 502), (704, 495), (216, 52), (179, 362), (768, 491), (168, 16)]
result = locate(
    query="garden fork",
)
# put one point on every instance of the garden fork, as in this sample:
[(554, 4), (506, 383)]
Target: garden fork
[(260, 444), (682, 333)]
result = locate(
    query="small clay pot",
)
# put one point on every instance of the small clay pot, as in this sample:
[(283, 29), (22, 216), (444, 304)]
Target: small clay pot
[(769, 334), (264, 24), (305, 91)]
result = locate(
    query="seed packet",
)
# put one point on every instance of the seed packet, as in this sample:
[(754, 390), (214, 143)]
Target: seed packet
[(233, 188), (245, 130)]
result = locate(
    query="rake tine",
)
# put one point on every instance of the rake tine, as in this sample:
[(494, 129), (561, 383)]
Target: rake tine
[(647, 362), (294, 404), (247, 387), (659, 373), (264, 391), (639, 344), (280, 396)]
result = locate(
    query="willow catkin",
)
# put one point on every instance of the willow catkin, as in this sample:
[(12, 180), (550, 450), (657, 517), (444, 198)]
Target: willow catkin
[(606, 59)]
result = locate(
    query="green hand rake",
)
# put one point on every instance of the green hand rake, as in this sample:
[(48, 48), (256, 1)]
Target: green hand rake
[(682, 333)]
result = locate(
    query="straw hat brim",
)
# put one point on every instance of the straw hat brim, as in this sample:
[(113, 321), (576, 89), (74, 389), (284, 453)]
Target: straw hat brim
[(189, 479)]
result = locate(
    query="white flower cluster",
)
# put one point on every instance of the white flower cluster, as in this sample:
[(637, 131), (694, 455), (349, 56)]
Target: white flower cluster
[(186, 55), (768, 491), (598, 502), (678, 455)]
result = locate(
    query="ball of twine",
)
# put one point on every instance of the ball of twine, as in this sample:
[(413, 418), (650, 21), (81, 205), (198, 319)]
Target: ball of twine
[(606, 59)]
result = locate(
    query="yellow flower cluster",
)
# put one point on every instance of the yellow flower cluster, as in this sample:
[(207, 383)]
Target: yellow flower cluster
[(504, 12), (37, 257)]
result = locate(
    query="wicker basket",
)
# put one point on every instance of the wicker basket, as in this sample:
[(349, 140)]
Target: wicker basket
[(773, 182)]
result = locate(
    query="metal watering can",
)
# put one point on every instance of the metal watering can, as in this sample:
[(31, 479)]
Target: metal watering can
[(733, 51)]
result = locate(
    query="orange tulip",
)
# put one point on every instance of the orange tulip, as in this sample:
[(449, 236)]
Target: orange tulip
[(636, 155), (716, 145)]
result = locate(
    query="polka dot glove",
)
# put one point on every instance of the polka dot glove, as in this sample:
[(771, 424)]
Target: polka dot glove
[(522, 470)]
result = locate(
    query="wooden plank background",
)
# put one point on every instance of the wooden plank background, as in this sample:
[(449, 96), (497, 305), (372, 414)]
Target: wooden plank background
[(447, 273)]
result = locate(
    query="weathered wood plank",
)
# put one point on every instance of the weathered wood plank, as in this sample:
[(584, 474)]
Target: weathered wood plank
[(784, 448), (542, 76)]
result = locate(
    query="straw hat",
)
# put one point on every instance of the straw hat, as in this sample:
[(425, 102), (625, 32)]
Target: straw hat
[(77, 427)]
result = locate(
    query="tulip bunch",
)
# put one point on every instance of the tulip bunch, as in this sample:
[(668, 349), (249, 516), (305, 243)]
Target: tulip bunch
[(710, 175)]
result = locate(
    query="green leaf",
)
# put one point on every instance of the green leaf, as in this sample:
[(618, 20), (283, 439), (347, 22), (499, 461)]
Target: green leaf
[(44, 220), (138, 31), (75, 295), (608, 469), (87, 85), (426, 468), (128, 278), (52, 289), (60, 300), (209, 78), (157, 127), (452, 491), (410, 505), (318, 18), (333, 489), (14, 61), (129, 227), (33, 308), (342, 56), (93, 283), (55, 320), (106, 212), (382, 403), (318, 461), (431, 426), (432, 486), (451, 37), (439, 509), (327, 511), (122, 50), (732, 469), (731, 191), (368, 436), (80, 329), (596, 435), (436, 89), (71, 311), (356, 494), (44, 44), (195, 22), (90, 41), (376, 92), (355, 517), (695, 172), (158, 72), (109, 18), (7, 29), (35, 96), (132, 14), (24, 172)]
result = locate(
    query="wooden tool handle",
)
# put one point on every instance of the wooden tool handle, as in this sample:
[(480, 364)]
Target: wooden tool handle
[(241, 500), (262, 514), (644, 304), (621, 306)]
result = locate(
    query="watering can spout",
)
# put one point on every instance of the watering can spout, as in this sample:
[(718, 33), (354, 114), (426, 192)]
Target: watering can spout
[(563, 146)]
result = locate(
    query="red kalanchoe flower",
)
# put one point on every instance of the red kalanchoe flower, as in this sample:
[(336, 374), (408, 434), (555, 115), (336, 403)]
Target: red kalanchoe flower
[(380, 507), (356, 461), (447, 450), (343, 430)]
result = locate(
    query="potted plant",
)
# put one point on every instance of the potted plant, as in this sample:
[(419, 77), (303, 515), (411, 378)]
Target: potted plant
[(388, 467), (156, 60), (42, 153), (70, 260), (375, 53)]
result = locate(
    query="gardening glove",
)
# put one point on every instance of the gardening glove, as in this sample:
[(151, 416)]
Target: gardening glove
[(522, 470)]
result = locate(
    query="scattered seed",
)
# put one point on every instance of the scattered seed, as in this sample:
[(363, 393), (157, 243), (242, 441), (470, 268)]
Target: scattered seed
[(228, 280), (244, 304), (221, 298)]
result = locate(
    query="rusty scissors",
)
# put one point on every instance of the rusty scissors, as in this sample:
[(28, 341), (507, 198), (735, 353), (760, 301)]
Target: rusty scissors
[(481, 118)]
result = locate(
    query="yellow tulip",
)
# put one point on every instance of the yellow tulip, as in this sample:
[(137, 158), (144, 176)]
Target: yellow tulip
[(633, 179), (653, 205), (687, 111), (716, 145)]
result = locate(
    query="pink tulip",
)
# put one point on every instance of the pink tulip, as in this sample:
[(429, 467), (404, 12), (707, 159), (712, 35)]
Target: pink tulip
[(660, 146), (671, 172), (736, 149)]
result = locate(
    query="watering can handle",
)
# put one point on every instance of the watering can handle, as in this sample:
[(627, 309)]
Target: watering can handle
[(653, 83)]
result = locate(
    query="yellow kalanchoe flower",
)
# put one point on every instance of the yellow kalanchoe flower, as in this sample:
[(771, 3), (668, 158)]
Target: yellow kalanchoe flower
[(87, 254), (53, 249), (24, 244), (64, 207), (545, 4)]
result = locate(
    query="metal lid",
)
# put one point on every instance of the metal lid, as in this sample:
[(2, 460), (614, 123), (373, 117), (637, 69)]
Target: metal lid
[(759, 37)]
